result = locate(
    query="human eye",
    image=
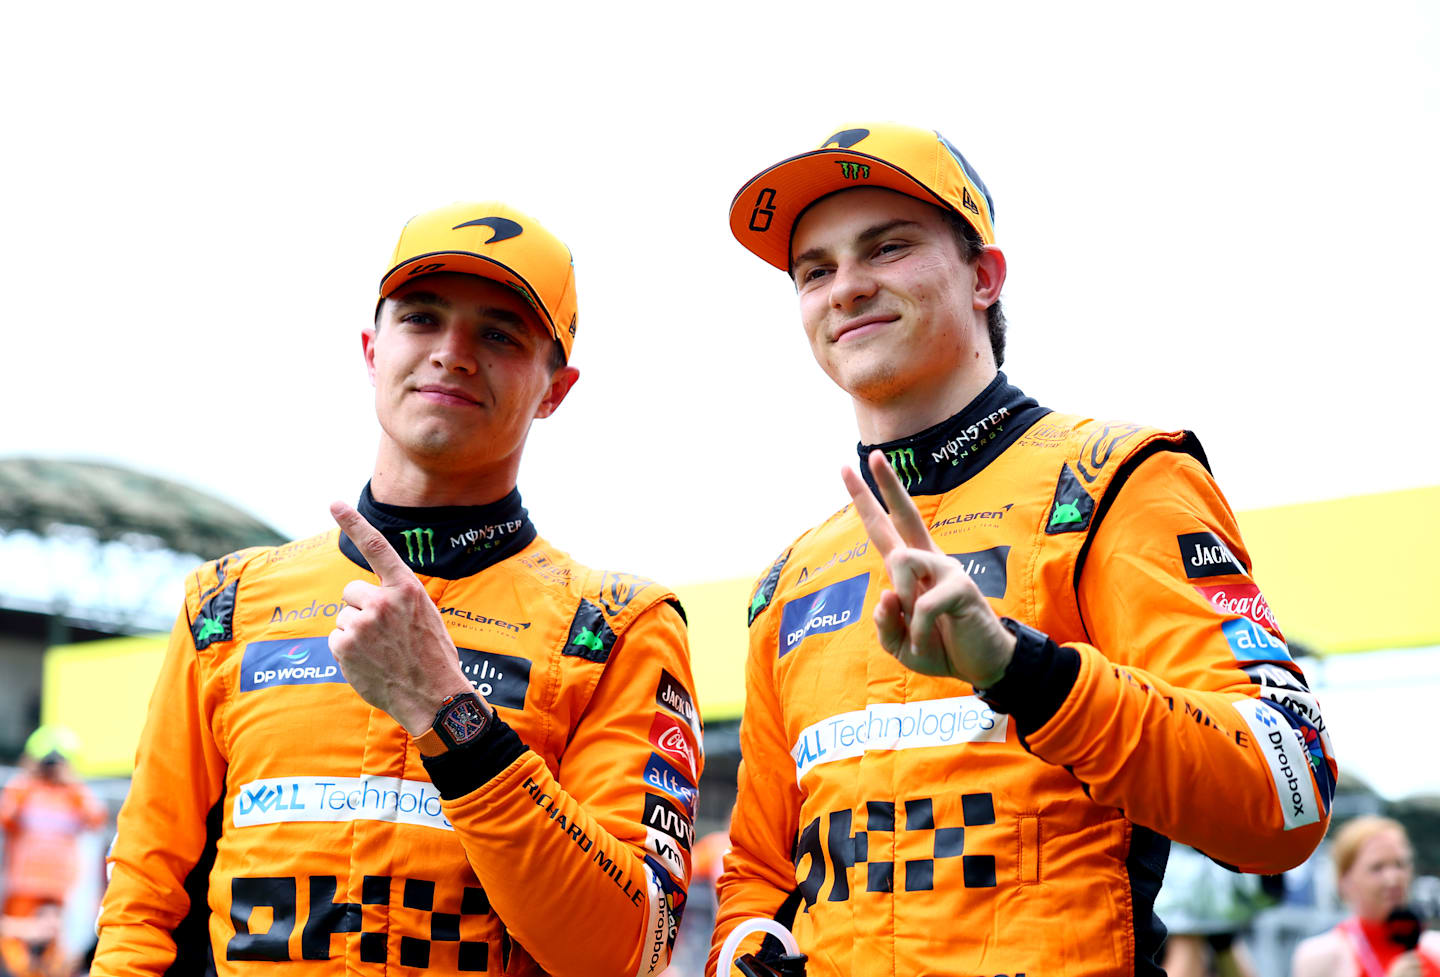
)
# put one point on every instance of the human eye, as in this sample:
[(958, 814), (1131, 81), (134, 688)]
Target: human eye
[(417, 318), (890, 248), (808, 274)]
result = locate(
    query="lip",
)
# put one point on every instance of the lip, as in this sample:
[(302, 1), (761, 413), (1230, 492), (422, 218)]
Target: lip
[(861, 326), (440, 393)]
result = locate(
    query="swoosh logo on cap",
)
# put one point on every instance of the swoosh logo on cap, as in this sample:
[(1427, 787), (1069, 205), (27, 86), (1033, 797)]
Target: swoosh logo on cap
[(503, 227), (846, 138)]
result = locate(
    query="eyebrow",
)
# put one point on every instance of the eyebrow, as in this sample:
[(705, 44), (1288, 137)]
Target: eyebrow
[(432, 298), (864, 237)]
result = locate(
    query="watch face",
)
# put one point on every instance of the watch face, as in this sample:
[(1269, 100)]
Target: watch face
[(463, 721)]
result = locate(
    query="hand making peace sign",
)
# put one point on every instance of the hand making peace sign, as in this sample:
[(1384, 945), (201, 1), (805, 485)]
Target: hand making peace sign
[(935, 620), (390, 641)]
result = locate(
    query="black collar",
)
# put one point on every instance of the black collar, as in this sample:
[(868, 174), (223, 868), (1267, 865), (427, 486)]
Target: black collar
[(940, 458), (448, 541)]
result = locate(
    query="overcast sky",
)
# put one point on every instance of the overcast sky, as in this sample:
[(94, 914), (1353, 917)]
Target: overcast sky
[(1221, 217)]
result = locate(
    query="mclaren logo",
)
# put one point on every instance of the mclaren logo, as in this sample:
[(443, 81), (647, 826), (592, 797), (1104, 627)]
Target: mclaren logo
[(845, 138), (503, 227)]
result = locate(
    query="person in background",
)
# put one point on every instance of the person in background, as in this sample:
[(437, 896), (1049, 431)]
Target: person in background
[(43, 811), (1374, 865)]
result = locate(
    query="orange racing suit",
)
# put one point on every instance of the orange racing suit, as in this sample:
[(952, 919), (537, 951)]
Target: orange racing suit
[(281, 825), (906, 824)]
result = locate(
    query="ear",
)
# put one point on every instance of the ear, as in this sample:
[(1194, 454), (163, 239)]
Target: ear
[(989, 278), (367, 343), (560, 385)]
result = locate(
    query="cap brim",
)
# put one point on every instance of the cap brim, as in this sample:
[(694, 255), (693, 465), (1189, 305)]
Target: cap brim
[(467, 263), (763, 213)]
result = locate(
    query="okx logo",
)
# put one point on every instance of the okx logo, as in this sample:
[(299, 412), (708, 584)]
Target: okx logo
[(419, 546), (903, 461), (828, 609)]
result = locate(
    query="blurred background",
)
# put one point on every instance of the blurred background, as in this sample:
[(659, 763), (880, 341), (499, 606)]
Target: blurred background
[(1218, 217)]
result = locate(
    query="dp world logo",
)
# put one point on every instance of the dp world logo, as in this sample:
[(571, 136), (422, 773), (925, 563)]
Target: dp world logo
[(828, 609), (419, 546), (903, 461)]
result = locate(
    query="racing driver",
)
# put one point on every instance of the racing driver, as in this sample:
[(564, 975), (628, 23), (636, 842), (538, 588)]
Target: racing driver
[(981, 698), (432, 742)]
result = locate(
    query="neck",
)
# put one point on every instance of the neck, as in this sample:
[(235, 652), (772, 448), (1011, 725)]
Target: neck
[(400, 479), (446, 541), (960, 445), (924, 405)]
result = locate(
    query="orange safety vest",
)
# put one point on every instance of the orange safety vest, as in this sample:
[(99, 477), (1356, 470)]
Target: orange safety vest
[(42, 820)]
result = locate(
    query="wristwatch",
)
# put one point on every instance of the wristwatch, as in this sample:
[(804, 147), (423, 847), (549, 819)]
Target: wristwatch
[(460, 719)]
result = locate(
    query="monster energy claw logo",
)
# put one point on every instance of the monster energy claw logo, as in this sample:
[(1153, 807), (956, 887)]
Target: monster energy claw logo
[(903, 461), (417, 541), (853, 171)]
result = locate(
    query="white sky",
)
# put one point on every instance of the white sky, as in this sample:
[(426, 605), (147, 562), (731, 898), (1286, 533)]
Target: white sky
[(1222, 218)]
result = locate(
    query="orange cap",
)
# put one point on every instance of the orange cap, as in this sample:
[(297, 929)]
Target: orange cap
[(495, 241), (920, 163)]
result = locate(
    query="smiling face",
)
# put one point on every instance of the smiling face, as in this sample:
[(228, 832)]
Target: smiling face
[(461, 366), (894, 314)]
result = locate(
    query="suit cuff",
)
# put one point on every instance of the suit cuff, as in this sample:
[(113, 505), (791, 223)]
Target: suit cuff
[(1037, 681), (471, 765)]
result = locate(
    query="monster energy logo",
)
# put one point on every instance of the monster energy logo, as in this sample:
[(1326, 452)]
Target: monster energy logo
[(417, 541), (853, 171), (903, 461)]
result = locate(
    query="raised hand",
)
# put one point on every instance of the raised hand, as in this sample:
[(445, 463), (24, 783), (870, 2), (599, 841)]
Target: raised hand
[(390, 641), (934, 620)]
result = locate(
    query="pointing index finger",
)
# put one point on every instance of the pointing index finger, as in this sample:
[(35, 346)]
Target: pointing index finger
[(372, 545), (903, 513)]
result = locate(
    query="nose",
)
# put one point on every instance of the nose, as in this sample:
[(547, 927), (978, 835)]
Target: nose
[(453, 352), (851, 285)]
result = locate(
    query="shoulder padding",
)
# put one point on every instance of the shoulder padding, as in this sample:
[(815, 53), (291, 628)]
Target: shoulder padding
[(1118, 469), (765, 586), (610, 601), (210, 597)]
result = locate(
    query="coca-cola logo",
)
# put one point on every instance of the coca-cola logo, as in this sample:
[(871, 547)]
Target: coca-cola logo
[(1241, 600), (668, 736)]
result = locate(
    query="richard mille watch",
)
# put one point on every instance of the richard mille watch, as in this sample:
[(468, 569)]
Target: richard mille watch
[(461, 718)]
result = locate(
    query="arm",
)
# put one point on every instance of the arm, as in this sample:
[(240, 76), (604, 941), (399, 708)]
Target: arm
[(12, 797), (759, 876), (576, 847), (1164, 714), (155, 907)]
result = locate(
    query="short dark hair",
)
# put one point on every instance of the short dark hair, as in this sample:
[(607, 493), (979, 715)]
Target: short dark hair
[(557, 351), (971, 248)]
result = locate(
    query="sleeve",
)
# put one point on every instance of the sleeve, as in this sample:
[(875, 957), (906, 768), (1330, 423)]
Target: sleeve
[(155, 909), (759, 875), (91, 811), (605, 844), (12, 797), (1185, 710)]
